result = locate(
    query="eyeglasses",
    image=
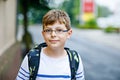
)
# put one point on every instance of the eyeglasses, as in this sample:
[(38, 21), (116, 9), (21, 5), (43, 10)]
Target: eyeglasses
[(57, 31)]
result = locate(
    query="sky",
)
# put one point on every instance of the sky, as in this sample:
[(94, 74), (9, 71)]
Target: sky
[(113, 19), (112, 4)]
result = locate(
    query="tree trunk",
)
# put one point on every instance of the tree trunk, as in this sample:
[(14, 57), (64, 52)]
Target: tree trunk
[(27, 38)]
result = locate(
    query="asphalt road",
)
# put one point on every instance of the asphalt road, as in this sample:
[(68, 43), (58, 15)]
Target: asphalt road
[(101, 62)]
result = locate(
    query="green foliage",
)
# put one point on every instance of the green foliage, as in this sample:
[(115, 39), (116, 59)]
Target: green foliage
[(72, 7), (92, 24), (87, 27), (36, 16), (24, 7), (36, 4), (103, 11), (111, 29)]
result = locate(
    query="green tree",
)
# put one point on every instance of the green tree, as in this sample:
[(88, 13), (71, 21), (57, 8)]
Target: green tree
[(23, 7), (103, 11), (72, 7)]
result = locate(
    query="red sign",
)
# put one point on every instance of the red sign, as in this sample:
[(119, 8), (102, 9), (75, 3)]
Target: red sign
[(88, 6)]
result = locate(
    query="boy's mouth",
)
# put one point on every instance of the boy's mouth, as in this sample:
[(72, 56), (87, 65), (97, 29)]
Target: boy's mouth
[(53, 41)]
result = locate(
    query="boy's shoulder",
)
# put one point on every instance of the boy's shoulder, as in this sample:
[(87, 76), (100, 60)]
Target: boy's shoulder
[(34, 57), (35, 51)]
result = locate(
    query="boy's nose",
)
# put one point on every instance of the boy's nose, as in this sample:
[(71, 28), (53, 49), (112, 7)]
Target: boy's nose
[(53, 33)]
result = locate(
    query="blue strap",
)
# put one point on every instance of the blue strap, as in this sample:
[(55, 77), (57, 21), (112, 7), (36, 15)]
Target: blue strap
[(73, 62), (34, 61)]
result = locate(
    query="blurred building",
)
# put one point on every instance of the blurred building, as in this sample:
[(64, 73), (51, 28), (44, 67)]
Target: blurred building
[(88, 10), (7, 24), (8, 43)]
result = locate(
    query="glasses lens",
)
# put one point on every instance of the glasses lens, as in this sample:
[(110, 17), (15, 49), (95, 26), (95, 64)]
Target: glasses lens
[(57, 31)]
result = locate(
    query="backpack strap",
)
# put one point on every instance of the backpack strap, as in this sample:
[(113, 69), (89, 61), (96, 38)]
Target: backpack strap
[(74, 62), (34, 60)]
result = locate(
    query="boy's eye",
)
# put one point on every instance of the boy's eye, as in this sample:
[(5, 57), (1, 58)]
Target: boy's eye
[(59, 30), (48, 30)]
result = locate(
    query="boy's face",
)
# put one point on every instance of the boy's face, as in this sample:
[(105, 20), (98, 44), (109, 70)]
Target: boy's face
[(56, 35)]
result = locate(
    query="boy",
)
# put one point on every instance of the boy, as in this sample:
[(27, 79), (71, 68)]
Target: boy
[(54, 62)]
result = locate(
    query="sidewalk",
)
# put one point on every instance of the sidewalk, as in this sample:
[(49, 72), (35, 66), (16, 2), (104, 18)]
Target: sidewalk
[(109, 39), (10, 62)]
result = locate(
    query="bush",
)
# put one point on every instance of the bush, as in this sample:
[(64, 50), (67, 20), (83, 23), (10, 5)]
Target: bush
[(89, 25), (111, 29)]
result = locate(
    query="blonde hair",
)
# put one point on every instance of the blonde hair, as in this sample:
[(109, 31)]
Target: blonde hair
[(54, 15)]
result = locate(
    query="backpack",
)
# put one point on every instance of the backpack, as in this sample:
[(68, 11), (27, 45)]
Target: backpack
[(34, 58)]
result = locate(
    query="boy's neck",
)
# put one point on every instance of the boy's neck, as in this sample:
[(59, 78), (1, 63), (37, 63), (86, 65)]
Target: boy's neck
[(55, 52)]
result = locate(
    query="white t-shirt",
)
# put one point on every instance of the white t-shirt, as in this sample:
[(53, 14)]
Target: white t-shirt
[(50, 69)]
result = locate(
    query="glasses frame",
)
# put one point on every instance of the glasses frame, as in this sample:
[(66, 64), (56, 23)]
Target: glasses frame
[(57, 32)]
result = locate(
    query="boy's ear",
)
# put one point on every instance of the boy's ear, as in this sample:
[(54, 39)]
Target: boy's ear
[(42, 33), (69, 33)]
